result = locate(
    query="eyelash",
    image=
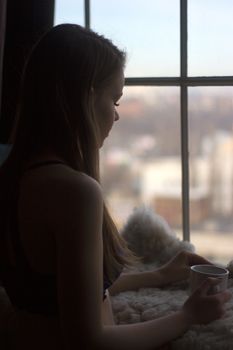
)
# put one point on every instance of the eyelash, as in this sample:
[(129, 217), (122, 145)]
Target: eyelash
[(117, 104)]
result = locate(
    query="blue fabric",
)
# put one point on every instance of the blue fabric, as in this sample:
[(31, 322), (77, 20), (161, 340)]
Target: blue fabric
[(4, 151)]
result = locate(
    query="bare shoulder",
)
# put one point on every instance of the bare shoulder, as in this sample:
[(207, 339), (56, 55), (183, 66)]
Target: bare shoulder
[(70, 191), (61, 182), (68, 179), (62, 195)]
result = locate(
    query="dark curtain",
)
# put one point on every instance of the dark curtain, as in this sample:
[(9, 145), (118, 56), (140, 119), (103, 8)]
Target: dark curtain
[(22, 23), (2, 39)]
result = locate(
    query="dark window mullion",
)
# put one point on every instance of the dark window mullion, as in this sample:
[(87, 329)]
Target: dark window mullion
[(179, 81), (184, 118), (87, 14), (209, 81)]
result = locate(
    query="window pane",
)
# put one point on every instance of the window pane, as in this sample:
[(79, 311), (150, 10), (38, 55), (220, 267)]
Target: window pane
[(69, 11), (149, 31), (140, 161), (211, 170), (210, 37)]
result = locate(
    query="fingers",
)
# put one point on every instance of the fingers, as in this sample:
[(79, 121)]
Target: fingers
[(224, 297), (206, 285), (203, 289)]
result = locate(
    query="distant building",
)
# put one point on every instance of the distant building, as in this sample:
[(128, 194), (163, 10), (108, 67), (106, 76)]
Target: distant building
[(161, 187), (170, 207), (221, 164)]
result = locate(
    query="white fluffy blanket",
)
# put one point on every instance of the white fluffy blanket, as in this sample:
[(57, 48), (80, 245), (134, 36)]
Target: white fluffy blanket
[(150, 303), (155, 239)]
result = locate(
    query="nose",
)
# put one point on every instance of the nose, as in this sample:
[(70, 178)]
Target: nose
[(117, 117)]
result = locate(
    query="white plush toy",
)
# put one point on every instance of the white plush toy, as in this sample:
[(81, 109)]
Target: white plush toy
[(150, 237)]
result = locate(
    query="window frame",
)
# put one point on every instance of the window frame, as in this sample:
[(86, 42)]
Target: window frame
[(184, 82)]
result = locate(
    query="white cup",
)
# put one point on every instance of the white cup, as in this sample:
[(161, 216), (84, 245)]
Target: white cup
[(201, 272)]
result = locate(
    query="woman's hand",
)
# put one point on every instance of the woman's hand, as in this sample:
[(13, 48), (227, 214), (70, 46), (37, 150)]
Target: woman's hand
[(178, 268), (201, 308)]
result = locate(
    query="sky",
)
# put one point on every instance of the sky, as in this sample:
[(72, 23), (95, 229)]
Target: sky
[(149, 32)]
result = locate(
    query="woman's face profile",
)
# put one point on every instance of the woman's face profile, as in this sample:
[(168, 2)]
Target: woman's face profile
[(106, 103)]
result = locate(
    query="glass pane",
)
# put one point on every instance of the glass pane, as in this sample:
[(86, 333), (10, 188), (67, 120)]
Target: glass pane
[(148, 31), (140, 161), (69, 11), (210, 37), (211, 171)]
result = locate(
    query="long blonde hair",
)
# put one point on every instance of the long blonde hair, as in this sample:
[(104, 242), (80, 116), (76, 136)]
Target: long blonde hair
[(55, 111)]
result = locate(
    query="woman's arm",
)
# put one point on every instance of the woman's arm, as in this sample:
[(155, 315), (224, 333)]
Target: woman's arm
[(76, 208), (145, 335), (177, 269), (137, 280)]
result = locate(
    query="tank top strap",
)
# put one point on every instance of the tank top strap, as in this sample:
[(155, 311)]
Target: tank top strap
[(43, 163)]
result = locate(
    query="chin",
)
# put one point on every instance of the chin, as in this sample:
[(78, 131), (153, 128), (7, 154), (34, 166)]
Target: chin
[(101, 144), (102, 141)]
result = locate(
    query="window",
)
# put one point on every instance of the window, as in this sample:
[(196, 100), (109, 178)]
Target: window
[(173, 146)]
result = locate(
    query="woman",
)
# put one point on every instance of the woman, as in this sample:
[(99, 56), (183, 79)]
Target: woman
[(60, 252)]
